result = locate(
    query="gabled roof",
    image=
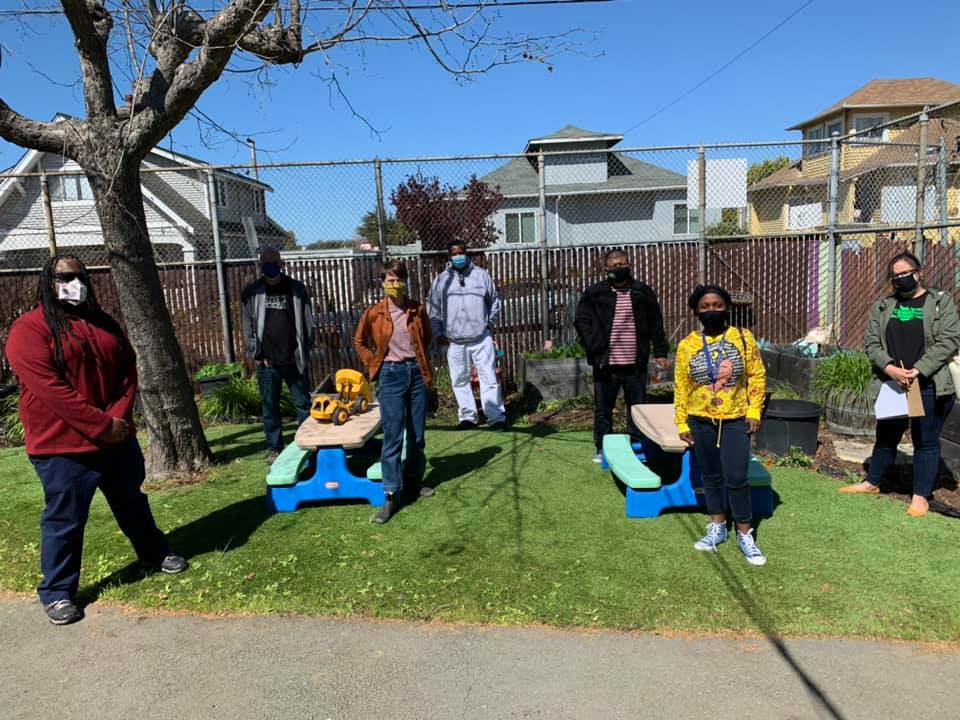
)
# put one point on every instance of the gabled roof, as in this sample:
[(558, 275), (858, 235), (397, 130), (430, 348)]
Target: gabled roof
[(518, 178), (899, 155), (899, 92), (570, 134)]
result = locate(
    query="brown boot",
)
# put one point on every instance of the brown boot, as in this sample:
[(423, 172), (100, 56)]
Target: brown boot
[(387, 510)]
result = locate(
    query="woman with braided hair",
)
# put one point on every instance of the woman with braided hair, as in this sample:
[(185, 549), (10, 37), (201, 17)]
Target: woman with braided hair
[(78, 382)]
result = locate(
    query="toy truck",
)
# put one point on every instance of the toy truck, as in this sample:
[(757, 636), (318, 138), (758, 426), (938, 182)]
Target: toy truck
[(352, 396)]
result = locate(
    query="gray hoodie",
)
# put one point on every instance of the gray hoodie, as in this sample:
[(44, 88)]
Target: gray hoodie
[(463, 305)]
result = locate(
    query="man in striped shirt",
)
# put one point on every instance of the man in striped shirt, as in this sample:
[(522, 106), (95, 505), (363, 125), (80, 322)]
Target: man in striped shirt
[(618, 320)]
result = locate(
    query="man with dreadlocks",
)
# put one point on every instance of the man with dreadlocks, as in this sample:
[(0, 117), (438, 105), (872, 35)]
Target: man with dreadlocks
[(78, 381)]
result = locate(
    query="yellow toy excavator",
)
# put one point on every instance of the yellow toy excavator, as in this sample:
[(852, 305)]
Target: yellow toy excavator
[(352, 396)]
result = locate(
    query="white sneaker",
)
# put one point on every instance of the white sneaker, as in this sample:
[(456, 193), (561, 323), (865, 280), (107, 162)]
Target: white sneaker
[(716, 534), (749, 548), (598, 458)]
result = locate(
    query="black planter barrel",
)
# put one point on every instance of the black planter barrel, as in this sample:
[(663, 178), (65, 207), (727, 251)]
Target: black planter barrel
[(787, 424)]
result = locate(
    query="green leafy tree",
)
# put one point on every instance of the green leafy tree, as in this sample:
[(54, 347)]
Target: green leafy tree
[(758, 171), (393, 230)]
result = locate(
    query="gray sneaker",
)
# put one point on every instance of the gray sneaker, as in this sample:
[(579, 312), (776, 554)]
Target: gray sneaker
[(62, 612), (173, 564), (749, 548), (271, 456), (716, 533), (598, 458)]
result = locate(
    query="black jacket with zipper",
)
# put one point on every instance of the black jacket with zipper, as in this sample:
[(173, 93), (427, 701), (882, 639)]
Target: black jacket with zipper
[(594, 322)]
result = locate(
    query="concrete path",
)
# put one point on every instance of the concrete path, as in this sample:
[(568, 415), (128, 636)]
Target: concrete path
[(124, 665)]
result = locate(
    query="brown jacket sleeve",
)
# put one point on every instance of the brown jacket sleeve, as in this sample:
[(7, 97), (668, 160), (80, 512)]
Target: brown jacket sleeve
[(361, 341)]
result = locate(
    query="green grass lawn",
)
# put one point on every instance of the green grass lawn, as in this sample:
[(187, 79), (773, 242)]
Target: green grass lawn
[(523, 529)]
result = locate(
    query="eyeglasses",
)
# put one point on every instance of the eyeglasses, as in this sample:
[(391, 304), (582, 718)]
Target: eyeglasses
[(66, 277), (900, 276)]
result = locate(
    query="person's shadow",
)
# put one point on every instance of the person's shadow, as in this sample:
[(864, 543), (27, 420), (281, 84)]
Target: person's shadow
[(222, 530), (446, 468)]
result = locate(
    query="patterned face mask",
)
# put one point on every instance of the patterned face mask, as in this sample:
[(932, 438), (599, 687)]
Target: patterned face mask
[(395, 289)]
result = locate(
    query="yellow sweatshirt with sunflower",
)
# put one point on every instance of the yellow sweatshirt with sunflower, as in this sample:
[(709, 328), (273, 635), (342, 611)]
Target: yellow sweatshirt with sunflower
[(738, 366)]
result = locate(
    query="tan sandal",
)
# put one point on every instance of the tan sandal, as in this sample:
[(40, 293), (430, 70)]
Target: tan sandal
[(862, 488)]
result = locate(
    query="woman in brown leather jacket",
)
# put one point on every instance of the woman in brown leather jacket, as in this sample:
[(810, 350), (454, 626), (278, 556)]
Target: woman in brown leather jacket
[(391, 341)]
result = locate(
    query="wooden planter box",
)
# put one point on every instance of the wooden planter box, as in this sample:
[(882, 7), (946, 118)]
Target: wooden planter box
[(556, 379), (850, 414)]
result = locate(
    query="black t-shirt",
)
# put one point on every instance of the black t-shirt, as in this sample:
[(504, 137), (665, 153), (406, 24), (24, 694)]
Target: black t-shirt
[(905, 332), (279, 344)]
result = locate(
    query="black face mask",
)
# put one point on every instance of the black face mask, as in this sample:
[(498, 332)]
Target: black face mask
[(905, 285), (714, 321), (619, 275)]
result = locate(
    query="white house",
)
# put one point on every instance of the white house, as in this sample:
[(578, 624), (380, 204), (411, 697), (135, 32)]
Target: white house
[(176, 202)]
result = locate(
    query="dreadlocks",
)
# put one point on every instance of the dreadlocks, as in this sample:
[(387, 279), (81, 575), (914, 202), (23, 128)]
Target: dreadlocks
[(57, 315)]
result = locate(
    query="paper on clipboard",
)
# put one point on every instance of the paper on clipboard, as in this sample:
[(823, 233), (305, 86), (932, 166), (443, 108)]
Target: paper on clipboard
[(891, 402)]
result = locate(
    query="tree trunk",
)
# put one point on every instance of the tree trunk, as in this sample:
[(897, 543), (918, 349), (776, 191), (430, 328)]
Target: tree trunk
[(177, 441)]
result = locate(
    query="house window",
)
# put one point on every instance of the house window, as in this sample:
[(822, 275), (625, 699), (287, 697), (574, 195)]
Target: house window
[(221, 193), (69, 188), (835, 127), (865, 122), (521, 227), (258, 201), (811, 149), (685, 220)]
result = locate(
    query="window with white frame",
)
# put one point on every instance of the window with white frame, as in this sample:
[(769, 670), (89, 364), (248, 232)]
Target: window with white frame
[(221, 193), (521, 227), (869, 123), (685, 220), (834, 128), (814, 133), (258, 201), (69, 188)]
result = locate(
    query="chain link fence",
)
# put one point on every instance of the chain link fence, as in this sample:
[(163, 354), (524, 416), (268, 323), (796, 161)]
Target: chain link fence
[(799, 232)]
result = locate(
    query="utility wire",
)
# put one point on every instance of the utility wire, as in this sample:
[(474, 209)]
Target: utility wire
[(723, 67)]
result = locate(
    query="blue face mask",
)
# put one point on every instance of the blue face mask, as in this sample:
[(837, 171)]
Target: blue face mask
[(459, 261), (270, 271)]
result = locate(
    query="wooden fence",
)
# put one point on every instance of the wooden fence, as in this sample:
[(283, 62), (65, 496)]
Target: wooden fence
[(779, 276)]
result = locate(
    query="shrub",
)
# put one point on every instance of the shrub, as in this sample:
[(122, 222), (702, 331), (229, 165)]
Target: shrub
[(213, 370), (846, 370), (11, 429), (239, 399), (553, 352)]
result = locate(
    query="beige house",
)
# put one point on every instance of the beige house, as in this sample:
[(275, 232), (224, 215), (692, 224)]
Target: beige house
[(878, 168)]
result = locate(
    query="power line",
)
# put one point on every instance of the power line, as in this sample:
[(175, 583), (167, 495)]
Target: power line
[(344, 7), (723, 67)]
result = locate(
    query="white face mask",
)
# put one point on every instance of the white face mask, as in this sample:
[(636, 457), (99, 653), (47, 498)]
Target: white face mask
[(73, 292)]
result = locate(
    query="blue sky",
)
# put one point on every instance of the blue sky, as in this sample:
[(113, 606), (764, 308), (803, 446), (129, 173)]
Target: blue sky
[(646, 54)]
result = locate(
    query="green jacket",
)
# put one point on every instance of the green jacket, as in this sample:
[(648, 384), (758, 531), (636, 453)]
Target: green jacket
[(941, 338)]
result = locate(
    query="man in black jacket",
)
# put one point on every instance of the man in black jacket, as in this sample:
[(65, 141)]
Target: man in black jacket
[(617, 321)]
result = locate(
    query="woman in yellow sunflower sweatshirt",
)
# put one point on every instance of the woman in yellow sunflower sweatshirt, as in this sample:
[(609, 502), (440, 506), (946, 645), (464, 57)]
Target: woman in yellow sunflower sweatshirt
[(719, 388)]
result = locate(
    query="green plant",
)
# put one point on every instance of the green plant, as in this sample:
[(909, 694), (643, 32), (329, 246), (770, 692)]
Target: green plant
[(795, 458), (213, 370), (11, 429), (660, 390), (554, 352), (784, 392), (240, 398), (553, 406), (759, 171), (848, 370)]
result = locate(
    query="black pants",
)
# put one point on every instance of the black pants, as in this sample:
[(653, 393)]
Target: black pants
[(69, 483), (607, 382), (724, 468)]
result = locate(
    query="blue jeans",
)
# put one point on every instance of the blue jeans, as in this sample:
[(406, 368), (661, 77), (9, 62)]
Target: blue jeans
[(271, 379), (403, 406), (69, 483), (723, 467), (925, 433)]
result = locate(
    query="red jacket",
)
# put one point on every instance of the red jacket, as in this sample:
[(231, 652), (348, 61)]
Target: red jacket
[(65, 412)]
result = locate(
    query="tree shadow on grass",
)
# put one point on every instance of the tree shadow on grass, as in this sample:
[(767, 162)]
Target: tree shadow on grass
[(221, 530), (244, 443), (446, 468)]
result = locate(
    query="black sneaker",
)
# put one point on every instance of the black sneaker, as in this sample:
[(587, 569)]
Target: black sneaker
[(62, 612), (173, 564), (386, 511), (499, 426), (271, 456), (466, 425), (413, 490)]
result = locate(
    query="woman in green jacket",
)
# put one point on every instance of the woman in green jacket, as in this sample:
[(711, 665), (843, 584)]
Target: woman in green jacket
[(911, 337)]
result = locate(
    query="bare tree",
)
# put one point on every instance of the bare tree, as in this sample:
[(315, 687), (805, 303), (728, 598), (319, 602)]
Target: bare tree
[(170, 53)]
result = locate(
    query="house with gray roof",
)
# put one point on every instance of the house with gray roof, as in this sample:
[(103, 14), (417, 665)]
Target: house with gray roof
[(594, 195), (175, 196)]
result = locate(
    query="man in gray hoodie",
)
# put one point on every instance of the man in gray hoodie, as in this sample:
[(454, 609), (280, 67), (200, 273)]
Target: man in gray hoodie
[(463, 306)]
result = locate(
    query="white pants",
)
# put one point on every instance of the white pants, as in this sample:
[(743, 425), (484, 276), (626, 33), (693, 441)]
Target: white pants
[(483, 357)]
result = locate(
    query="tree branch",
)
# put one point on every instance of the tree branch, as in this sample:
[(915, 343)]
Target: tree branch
[(49, 137), (91, 25)]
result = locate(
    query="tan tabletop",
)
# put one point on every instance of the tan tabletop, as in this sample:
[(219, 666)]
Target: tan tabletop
[(655, 421), (354, 433)]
